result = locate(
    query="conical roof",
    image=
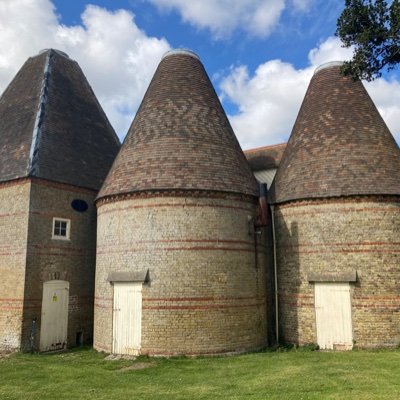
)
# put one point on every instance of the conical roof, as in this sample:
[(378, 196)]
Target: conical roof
[(52, 126), (180, 138), (339, 146)]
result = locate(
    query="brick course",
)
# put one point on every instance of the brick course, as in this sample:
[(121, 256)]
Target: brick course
[(29, 257), (71, 260), (14, 205), (336, 236), (206, 294)]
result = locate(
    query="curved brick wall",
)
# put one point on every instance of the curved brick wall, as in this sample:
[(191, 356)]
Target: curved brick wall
[(335, 236), (206, 293)]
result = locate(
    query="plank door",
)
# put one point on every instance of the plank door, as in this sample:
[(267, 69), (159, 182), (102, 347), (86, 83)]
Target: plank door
[(127, 318), (333, 316), (54, 321)]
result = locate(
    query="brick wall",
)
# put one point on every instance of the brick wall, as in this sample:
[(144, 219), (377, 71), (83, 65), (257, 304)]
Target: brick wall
[(14, 204), (336, 236), (206, 293), (71, 260)]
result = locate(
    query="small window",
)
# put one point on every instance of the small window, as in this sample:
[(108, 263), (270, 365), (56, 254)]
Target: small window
[(61, 228)]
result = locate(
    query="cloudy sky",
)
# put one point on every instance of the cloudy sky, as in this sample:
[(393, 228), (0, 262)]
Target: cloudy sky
[(259, 54)]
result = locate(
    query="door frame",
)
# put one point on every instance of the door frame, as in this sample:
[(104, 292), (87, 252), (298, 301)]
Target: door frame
[(48, 323), (345, 312), (130, 347)]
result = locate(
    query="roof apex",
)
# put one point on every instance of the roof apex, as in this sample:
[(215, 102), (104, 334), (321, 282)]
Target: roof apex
[(59, 52), (181, 52), (330, 64)]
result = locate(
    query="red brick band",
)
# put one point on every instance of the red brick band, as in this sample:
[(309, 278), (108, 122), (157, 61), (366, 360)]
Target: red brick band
[(177, 193), (44, 182), (12, 253), (173, 205), (212, 298), (14, 214), (364, 302), (192, 248), (249, 242), (340, 201), (339, 211), (204, 307), (347, 251), (343, 248), (259, 302)]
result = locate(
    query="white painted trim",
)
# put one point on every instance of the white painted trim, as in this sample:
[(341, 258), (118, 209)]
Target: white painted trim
[(68, 232), (182, 51), (328, 65)]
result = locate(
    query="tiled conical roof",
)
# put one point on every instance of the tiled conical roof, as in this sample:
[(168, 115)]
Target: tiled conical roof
[(339, 146), (180, 138), (52, 126)]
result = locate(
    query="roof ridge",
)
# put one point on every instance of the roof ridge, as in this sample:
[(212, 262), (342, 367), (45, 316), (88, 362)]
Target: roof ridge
[(268, 146), (33, 162)]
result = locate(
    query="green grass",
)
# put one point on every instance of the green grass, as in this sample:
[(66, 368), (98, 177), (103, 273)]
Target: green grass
[(85, 374)]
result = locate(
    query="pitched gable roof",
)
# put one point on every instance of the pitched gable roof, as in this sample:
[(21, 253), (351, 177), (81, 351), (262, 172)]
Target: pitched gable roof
[(339, 146), (180, 137), (52, 126), (265, 157)]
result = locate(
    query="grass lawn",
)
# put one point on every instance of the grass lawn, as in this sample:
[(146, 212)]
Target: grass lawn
[(85, 374)]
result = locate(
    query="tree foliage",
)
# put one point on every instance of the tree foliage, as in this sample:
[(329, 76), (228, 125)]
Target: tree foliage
[(372, 28)]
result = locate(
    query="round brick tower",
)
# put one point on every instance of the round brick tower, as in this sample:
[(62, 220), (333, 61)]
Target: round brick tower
[(337, 217), (177, 271)]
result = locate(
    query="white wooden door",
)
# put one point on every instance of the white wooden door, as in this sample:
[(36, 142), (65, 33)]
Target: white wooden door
[(54, 321), (333, 316), (127, 318)]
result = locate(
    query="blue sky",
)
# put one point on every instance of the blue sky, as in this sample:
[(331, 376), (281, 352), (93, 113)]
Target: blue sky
[(296, 32), (259, 54)]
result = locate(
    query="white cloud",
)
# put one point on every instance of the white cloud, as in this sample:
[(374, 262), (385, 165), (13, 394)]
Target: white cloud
[(116, 56), (386, 96), (269, 100), (119, 60), (301, 5), (329, 50), (257, 17)]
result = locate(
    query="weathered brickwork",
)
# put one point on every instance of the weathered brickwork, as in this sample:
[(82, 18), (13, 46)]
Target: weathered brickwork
[(206, 292), (52, 129), (49, 259), (14, 202), (336, 236)]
